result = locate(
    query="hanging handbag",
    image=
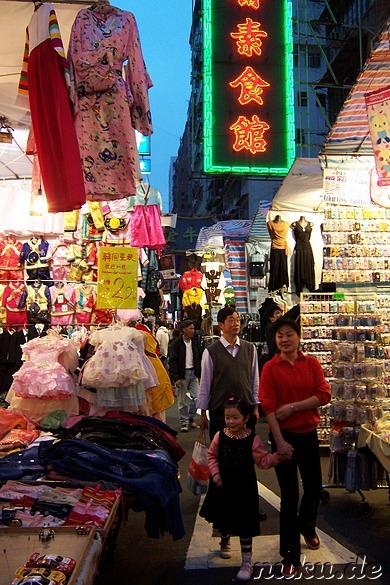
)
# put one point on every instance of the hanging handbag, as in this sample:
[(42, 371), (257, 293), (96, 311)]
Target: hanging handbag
[(198, 471)]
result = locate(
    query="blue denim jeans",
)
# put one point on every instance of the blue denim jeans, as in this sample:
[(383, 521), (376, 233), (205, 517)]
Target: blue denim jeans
[(186, 397)]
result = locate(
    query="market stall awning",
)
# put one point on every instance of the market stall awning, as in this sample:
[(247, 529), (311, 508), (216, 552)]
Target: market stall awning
[(350, 133), (301, 190)]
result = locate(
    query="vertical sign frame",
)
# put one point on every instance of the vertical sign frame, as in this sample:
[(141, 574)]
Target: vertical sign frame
[(248, 108), (117, 277)]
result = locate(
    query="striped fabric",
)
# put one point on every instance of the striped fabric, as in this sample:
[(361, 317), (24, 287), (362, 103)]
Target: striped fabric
[(211, 237), (235, 261), (23, 83), (56, 42), (234, 234), (351, 128), (259, 230)]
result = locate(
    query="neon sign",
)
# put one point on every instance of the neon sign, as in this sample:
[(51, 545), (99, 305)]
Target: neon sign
[(248, 87)]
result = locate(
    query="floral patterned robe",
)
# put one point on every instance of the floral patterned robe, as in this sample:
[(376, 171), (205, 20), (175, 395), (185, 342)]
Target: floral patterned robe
[(108, 106)]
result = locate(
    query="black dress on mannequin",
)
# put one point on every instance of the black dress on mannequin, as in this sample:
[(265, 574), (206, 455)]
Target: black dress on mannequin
[(304, 276)]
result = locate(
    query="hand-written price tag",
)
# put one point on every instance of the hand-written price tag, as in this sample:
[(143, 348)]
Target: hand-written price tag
[(117, 277)]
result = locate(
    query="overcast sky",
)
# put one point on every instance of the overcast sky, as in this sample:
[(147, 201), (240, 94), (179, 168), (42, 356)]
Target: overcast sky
[(164, 27)]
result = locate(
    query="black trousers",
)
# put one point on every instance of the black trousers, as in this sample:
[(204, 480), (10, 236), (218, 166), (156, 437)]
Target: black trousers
[(295, 518)]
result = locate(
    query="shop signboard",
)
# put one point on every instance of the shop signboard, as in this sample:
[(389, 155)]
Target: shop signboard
[(117, 277), (248, 115), (184, 235), (347, 187), (378, 112)]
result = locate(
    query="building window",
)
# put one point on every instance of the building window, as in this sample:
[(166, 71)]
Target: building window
[(302, 98), (321, 98), (299, 136), (314, 59)]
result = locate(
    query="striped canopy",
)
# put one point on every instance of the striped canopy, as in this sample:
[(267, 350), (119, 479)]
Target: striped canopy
[(350, 133)]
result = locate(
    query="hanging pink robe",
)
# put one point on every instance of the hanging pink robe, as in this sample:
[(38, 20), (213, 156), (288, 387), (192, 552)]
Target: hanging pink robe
[(43, 89), (108, 106)]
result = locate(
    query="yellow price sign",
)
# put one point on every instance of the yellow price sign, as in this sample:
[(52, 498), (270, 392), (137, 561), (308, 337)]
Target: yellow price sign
[(117, 277)]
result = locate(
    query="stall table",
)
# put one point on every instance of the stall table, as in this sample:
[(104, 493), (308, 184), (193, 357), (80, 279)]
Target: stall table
[(17, 544)]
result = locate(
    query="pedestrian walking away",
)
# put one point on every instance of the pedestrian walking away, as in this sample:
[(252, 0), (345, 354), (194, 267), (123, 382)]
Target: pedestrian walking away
[(184, 367)]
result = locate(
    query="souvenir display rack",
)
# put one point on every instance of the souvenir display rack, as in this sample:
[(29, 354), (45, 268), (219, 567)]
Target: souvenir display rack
[(353, 252), (345, 332)]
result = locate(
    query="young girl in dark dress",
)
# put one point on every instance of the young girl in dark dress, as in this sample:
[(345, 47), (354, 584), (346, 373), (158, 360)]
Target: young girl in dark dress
[(232, 501)]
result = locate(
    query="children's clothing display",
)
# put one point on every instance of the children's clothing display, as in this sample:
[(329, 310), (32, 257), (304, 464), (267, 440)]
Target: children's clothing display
[(117, 222), (85, 301), (15, 308), (43, 89), (116, 361), (33, 257), (83, 261), (44, 383), (57, 257), (145, 221), (108, 107), (118, 371), (63, 297), (42, 376), (160, 395), (10, 250), (38, 301)]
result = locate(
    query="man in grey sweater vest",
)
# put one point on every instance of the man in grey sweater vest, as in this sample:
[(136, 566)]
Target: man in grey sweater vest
[(229, 365)]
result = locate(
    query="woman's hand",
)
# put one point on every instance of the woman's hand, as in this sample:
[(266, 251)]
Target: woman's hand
[(285, 411), (285, 450)]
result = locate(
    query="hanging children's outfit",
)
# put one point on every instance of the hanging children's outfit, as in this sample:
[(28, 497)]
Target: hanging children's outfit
[(114, 377), (63, 298), (34, 258), (44, 383), (16, 314), (85, 301), (10, 250), (37, 299), (145, 221)]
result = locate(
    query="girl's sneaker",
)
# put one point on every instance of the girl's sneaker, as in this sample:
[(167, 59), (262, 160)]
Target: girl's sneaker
[(225, 550), (245, 572)]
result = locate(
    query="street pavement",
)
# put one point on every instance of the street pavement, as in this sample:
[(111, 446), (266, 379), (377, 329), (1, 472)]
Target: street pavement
[(354, 539)]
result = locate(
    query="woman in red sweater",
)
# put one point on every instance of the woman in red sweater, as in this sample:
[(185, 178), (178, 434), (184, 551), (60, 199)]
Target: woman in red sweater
[(292, 387)]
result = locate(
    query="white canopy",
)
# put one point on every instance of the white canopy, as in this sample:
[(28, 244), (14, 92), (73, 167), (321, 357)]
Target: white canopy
[(301, 190)]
